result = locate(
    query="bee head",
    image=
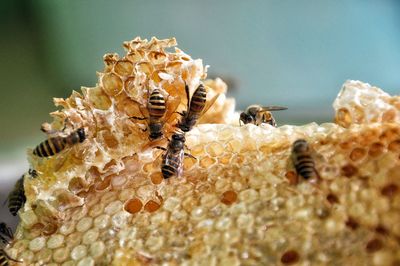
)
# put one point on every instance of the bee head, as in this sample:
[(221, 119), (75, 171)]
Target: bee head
[(81, 134), (178, 137), (155, 135), (246, 118)]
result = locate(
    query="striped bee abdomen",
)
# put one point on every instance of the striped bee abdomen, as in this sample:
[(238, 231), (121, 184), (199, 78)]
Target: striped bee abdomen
[(49, 147), (168, 171), (156, 105), (52, 146), (194, 109), (16, 198), (198, 100), (16, 202), (305, 166), (173, 158), (171, 165), (302, 159)]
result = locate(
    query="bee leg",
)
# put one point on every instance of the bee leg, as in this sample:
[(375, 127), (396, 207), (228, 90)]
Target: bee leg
[(65, 124), (138, 118), (187, 96), (181, 113), (160, 148), (191, 156), (317, 174), (9, 258), (187, 147)]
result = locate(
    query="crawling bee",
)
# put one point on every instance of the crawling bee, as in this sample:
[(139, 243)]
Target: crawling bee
[(5, 233), (156, 108), (52, 146), (172, 159), (302, 159), (258, 115), (6, 236), (196, 106), (16, 198)]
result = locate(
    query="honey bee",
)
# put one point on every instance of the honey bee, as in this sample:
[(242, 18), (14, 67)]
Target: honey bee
[(6, 236), (16, 198), (5, 233), (156, 108), (302, 160), (257, 115), (54, 145), (196, 106), (172, 159)]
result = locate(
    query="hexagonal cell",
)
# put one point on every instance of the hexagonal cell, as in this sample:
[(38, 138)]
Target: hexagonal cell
[(112, 84), (133, 206)]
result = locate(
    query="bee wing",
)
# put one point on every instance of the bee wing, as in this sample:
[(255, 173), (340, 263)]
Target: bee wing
[(6, 230), (46, 128), (141, 108), (172, 159), (209, 103), (273, 108), (61, 159), (187, 96), (173, 103), (180, 158), (155, 143)]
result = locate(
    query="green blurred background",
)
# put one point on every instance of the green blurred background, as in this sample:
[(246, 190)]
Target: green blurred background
[(292, 53)]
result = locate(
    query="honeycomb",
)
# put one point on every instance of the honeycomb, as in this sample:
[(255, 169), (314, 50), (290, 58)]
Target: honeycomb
[(352, 103), (238, 202)]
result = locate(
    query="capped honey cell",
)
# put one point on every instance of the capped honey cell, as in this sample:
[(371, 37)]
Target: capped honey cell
[(229, 197), (290, 257), (133, 206)]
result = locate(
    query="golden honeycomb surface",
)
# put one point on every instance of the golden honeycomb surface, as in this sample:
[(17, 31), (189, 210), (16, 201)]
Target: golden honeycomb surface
[(239, 202)]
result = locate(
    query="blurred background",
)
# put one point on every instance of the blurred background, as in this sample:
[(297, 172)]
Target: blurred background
[(291, 53)]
